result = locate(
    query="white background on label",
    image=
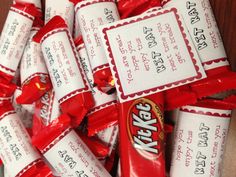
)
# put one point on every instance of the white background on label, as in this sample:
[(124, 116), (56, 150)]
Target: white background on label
[(100, 98), (202, 8), (63, 8), (188, 130), (13, 39), (133, 57), (72, 148), (17, 135), (32, 60), (90, 17), (64, 62)]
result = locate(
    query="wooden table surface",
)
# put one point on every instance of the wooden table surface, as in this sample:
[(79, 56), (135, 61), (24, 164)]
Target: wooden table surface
[(226, 17)]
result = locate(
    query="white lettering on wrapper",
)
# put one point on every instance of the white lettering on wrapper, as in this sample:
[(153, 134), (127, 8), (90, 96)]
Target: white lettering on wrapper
[(62, 62), (71, 157), (150, 53), (15, 148), (101, 99), (32, 62), (91, 14), (13, 39), (200, 139), (202, 26), (63, 8)]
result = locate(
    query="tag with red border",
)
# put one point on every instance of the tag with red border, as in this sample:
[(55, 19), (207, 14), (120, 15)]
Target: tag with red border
[(150, 53)]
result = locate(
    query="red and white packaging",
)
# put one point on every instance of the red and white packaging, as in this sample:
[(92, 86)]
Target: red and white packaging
[(14, 37), (200, 139), (35, 80), (105, 112), (63, 8), (68, 79), (142, 137), (47, 109), (37, 3), (158, 56), (118, 174), (202, 26), (91, 14), (66, 152), (16, 150)]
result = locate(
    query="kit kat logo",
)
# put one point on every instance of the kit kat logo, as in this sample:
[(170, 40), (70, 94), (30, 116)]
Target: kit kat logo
[(145, 128)]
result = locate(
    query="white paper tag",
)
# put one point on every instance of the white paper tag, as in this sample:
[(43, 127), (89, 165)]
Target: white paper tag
[(32, 62), (62, 62), (71, 157), (150, 53), (101, 99), (63, 8), (91, 14), (200, 139), (13, 39), (15, 148), (202, 26)]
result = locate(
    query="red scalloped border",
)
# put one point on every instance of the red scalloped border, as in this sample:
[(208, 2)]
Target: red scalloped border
[(153, 90), (28, 167), (101, 67), (84, 4), (7, 114), (22, 13), (103, 106), (55, 141), (76, 55), (6, 69), (163, 2), (215, 114), (215, 61)]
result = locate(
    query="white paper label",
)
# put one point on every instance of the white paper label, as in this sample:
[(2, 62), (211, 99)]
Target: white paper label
[(101, 99), (32, 62), (15, 148), (63, 8), (200, 139), (13, 40), (62, 62), (202, 26), (150, 53), (91, 14), (71, 157)]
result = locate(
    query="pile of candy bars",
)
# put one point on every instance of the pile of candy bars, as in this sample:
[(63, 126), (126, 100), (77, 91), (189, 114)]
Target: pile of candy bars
[(97, 88)]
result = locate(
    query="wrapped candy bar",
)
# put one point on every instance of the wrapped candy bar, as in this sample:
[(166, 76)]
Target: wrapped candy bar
[(66, 152), (200, 139), (142, 137), (202, 26), (46, 110), (16, 150), (91, 14), (35, 80), (14, 37), (37, 3), (130, 8), (105, 112), (63, 8), (69, 82)]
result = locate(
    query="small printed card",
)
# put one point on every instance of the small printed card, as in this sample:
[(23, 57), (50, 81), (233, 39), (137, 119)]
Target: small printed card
[(150, 53)]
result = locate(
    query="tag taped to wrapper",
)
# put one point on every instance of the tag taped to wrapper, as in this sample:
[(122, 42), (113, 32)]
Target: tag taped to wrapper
[(150, 53)]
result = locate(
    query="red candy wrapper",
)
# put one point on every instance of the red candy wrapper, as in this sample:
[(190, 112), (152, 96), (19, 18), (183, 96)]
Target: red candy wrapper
[(200, 138), (142, 137), (90, 15), (35, 81), (202, 26), (14, 37), (57, 142), (69, 82), (62, 8), (105, 112), (130, 8), (46, 110), (16, 150), (37, 3)]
